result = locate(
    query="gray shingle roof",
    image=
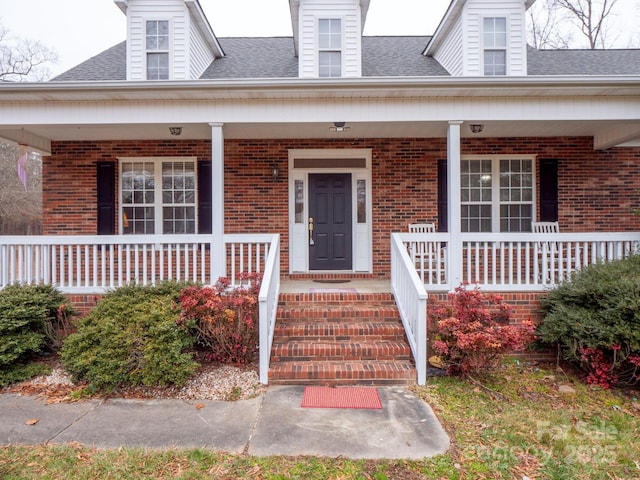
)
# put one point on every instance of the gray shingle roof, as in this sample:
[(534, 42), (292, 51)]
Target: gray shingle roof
[(273, 57), (583, 62), (254, 57), (398, 56), (108, 65)]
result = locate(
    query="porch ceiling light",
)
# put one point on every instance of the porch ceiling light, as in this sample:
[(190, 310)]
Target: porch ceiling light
[(476, 127), (339, 127), (175, 130)]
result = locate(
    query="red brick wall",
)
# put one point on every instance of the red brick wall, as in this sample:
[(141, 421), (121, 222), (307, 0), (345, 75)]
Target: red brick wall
[(596, 188), (525, 305)]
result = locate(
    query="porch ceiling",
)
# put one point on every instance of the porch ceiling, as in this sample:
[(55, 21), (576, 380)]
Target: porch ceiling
[(415, 129)]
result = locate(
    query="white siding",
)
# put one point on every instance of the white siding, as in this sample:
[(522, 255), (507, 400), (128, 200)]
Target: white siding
[(450, 53), (175, 11), (514, 11), (461, 50), (200, 54), (347, 10)]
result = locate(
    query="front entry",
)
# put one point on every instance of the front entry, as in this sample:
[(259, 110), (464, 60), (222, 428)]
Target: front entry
[(330, 221)]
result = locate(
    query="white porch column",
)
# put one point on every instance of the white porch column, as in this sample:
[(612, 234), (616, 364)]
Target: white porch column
[(218, 257), (454, 211)]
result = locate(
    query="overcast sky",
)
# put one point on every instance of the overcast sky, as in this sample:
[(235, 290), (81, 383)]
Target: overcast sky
[(80, 29)]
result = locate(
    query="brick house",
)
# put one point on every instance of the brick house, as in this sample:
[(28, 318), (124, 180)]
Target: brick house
[(177, 154)]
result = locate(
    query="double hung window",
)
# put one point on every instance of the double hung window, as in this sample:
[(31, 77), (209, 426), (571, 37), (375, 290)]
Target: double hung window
[(495, 45), (158, 196), (157, 44), (330, 47), (497, 194)]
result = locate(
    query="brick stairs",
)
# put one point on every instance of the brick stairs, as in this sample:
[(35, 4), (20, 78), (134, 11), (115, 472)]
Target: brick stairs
[(340, 339)]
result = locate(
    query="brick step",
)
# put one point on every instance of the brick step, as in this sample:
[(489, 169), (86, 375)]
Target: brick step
[(283, 351), (336, 298), (366, 372), (337, 313), (339, 331), (340, 339)]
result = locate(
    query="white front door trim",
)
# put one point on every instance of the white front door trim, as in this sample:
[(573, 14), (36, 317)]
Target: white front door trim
[(357, 162)]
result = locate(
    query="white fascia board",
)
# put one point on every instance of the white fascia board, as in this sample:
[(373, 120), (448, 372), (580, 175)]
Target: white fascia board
[(450, 17), (205, 27), (380, 87), (294, 6)]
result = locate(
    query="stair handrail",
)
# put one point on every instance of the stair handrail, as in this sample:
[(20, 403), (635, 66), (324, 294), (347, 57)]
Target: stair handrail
[(268, 306), (411, 299)]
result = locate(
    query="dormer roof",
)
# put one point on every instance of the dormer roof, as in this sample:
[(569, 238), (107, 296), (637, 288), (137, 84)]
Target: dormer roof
[(198, 17), (448, 21)]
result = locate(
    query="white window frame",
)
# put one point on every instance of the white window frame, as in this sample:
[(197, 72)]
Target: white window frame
[(148, 51), (493, 48), (158, 201), (496, 203), (331, 48)]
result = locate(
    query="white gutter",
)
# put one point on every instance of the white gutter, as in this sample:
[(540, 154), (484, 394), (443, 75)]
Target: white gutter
[(618, 85)]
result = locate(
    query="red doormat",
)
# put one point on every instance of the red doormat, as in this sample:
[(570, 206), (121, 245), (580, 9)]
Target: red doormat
[(341, 397)]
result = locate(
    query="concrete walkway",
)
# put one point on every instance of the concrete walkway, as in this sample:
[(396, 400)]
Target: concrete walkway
[(271, 424)]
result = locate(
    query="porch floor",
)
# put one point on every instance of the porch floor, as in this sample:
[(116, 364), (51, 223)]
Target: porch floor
[(359, 285)]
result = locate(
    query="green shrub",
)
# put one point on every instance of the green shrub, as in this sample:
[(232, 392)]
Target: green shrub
[(32, 318), (19, 372), (130, 338), (595, 318)]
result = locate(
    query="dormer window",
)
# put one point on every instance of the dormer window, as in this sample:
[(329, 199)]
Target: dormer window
[(330, 47), (157, 43), (495, 46)]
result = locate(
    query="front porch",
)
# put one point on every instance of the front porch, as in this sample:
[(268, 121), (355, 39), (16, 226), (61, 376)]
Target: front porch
[(505, 262)]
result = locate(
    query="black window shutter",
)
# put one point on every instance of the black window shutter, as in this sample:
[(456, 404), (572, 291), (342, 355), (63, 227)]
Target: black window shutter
[(442, 196), (204, 197), (548, 190), (106, 189)]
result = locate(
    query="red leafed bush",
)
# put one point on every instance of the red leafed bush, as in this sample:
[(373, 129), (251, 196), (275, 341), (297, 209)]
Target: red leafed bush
[(474, 329), (225, 318), (606, 367), (601, 371)]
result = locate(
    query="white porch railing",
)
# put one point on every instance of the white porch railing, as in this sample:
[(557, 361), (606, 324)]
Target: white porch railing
[(268, 305), (513, 261), (95, 264), (411, 298), (501, 262)]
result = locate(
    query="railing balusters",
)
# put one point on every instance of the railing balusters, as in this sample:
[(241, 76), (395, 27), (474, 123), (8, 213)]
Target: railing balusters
[(519, 261)]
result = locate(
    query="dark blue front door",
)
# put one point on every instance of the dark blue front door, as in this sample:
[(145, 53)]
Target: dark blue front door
[(330, 242)]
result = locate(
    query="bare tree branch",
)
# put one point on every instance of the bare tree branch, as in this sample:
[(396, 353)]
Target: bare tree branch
[(544, 27), (20, 209), (23, 60), (590, 16)]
